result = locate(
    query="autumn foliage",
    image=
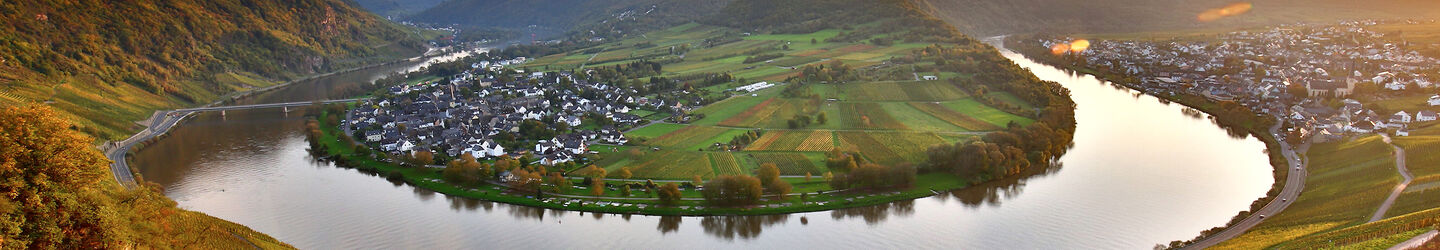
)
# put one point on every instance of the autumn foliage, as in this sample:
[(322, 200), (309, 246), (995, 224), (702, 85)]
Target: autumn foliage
[(56, 195)]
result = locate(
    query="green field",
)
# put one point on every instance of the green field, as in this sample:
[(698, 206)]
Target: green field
[(902, 91), (654, 130), (985, 113), (1348, 181), (890, 121)]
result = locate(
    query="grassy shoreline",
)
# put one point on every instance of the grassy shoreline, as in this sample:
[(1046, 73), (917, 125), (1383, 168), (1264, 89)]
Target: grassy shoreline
[(431, 179)]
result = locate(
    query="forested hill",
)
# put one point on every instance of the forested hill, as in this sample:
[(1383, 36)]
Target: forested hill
[(105, 64), (985, 17)]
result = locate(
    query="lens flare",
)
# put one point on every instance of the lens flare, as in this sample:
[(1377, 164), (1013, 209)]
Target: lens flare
[(1059, 48), (1079, 45), (1233, 9)]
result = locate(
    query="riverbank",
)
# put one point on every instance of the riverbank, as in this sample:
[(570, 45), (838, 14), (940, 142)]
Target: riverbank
[(163, 120), (1249, 124), (812, 195)]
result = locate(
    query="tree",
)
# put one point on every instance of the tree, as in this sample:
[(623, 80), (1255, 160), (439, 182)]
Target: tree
[(560, 183), (733, 190), (51, 174), (807, 176), (595, 173), (423, 158), (362, 151), (625, 190), (669, 194), (625, 173), (820, 118), (768, 174), (597, 187), (697, 181), (813, 41), (780, 189)]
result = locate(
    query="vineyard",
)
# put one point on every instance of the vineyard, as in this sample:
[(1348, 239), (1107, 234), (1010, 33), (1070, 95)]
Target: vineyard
[(868, 116), (726, 164), (903, 91), (673, 165), (815, 140), (869, 147), (953, 117), (687, 137), (789, 163)]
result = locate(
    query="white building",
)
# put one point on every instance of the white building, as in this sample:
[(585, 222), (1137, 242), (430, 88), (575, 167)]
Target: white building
[(755, 87)]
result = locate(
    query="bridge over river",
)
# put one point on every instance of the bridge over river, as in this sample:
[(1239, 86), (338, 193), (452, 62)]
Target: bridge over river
[(163, 121)]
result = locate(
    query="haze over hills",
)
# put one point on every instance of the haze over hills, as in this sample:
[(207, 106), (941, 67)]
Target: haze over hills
[(985, 17), (558, 14), (104, 64), (397, 8)]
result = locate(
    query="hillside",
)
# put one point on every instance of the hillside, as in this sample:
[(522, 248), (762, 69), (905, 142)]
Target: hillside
[(982, 17), (104, 64), (397, 8), (600, 16), (58, 195)]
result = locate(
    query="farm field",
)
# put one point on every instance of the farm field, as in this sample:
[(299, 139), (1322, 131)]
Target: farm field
[(902, 91), (813, 140), (986, 113), (954, 117), (690, 137), (866, 115), (792, 163), (654, 130), (1348, 181), (888, 122)]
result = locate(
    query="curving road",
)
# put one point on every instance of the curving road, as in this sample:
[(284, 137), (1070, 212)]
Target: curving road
[(1394, 194), (1294, 184), (160, 123)]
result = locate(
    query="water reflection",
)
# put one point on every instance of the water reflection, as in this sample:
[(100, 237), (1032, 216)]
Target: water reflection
[(1140, 172), (873, 215), (743, 227)]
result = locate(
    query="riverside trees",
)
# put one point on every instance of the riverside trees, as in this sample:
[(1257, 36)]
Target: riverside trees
[(733, 190)]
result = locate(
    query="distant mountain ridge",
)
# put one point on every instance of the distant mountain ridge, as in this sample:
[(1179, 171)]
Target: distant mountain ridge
[(397, 8), (104, 64), (985, 17)]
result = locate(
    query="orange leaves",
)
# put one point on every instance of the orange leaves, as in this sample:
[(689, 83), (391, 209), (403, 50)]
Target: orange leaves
[(38, 146)]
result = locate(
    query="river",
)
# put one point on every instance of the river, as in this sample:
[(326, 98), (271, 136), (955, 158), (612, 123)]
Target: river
[(1141, 172)]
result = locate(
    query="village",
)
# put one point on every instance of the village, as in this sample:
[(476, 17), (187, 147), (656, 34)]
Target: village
[(550, 117), (1311, 76)]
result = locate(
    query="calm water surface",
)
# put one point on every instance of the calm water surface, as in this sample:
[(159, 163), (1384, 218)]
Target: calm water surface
[(1141, 172)]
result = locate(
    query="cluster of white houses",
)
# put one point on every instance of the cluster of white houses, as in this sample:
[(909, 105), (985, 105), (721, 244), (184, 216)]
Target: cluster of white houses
[(469, 114), (1259, 69)]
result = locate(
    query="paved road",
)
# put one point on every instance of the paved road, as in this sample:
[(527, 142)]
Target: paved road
[(160, 123), (270, 105), (1394, 194), (1416, 242), (1294, 184)]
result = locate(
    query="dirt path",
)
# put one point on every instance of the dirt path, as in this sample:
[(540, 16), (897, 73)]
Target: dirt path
[(1394, 194), (1416, 242)]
